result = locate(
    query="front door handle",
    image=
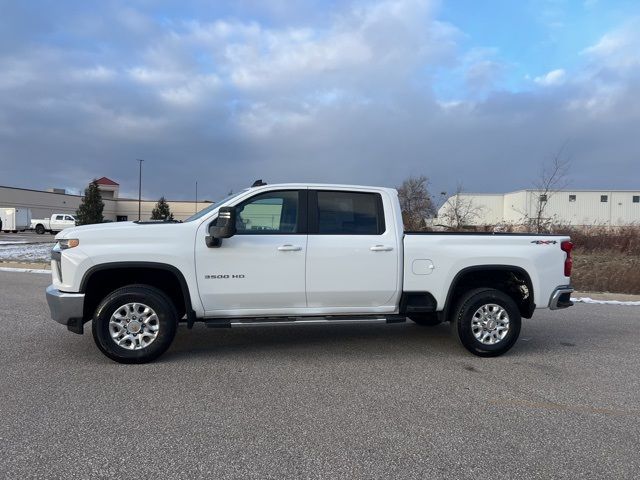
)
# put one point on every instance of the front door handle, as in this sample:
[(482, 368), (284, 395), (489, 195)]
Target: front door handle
[(381, 248), (289, 248)]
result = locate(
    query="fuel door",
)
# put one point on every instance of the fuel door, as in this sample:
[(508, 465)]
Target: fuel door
[(422, 267)]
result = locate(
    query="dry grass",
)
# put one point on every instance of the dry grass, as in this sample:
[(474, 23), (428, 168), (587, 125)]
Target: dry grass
[(624, 240), (606, 271), (606, 259)]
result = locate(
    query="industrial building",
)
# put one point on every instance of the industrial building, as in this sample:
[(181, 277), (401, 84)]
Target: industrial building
[(45, 203), (569, 207)]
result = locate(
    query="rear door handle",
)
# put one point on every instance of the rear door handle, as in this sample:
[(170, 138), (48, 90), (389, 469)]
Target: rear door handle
[(381, 248), (289, 248)]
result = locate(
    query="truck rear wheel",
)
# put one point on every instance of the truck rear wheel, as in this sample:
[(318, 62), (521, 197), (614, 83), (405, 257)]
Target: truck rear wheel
[(486, 322), (39, 229), (134, 324)]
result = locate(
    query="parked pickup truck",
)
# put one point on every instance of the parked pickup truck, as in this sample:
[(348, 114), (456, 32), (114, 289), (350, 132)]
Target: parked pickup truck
[(299, 254), (55, 224)]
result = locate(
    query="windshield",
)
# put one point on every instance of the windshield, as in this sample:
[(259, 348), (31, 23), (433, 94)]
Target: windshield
[(213, 206)]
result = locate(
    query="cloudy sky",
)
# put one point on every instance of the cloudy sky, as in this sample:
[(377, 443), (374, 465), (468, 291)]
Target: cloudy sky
[(369, 92)]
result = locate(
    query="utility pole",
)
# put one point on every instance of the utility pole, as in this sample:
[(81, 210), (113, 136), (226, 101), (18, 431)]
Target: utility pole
[(140, 188), (196, 196)]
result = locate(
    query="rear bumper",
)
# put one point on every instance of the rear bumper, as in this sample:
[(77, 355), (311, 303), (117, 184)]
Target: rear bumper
[(561, 297), (66, 308)]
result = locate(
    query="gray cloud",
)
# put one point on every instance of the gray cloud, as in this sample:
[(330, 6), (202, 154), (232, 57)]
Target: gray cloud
[(346, 97)]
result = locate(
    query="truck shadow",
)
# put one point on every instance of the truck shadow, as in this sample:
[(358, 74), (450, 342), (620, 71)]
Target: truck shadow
[(327, 341), (307, 341)]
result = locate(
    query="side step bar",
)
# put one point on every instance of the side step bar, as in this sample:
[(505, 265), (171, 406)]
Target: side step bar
[(288, 321)]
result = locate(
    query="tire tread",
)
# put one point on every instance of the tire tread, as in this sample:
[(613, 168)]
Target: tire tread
[(142, 356), (460, 311)]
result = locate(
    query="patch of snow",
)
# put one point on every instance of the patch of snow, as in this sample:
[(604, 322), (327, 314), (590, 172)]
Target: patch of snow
[(24, 270), (29, 252), (12, 242), (604, 302)]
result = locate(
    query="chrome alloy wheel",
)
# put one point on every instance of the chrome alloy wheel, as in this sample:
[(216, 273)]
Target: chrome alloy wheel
[(490, 324), (134, 326)]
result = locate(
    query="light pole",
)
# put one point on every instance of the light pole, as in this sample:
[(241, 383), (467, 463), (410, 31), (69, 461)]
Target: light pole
[(196, 196), (140, 188)]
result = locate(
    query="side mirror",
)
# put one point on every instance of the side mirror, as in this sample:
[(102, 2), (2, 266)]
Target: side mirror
[(225, 227)]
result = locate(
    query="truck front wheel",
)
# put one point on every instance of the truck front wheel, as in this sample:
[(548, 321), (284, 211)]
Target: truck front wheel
[(134, 324), (487, 322)]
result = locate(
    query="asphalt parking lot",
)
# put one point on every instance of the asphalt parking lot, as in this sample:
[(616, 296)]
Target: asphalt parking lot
[(375, 401)]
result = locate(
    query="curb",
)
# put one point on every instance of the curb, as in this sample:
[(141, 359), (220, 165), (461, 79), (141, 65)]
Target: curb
[(24, 270)]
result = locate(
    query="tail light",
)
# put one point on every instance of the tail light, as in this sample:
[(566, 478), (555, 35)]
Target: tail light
[(568, 262)]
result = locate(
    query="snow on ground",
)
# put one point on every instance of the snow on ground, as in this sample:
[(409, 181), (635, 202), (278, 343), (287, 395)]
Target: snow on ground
[(11, 242), (604, 302), (25, 252)]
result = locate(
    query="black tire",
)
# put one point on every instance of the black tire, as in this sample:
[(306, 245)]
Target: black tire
[(461, 321), (14, 231), (52, 232), (426, 319), (145, 294), (39, 229)]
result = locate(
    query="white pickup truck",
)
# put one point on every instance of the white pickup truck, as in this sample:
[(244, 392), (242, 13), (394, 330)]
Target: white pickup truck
[(56, 223), (299, 254)]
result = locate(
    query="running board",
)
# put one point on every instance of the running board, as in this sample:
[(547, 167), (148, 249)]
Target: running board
[(288, 321)]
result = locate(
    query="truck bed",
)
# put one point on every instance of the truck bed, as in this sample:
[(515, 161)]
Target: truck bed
[(496, 234), (432, 260)]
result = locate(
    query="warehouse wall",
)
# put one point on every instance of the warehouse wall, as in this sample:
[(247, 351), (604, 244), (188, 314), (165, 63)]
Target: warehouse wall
[(487, 209), (578, 207), (44, 204)]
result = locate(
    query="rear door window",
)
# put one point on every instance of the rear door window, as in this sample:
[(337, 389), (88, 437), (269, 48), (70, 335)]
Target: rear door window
[(348, 213)]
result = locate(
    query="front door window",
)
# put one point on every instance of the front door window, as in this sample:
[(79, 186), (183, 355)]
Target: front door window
[(269, 213)]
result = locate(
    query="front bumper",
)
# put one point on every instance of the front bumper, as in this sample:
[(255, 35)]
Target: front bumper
[(66, 308), (561, 297)]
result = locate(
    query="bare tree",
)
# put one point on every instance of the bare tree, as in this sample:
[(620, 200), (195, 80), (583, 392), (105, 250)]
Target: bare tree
[(553, 178), (415, 202), (459, 211)]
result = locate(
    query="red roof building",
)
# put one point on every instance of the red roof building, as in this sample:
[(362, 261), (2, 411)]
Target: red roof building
[(106, 181), (108, 188)]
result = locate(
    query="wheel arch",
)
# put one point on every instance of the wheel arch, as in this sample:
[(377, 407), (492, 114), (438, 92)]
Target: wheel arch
[(501, 277), (100, 279)]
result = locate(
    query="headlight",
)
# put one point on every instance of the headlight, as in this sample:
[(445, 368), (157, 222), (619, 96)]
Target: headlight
[(63, 244)]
